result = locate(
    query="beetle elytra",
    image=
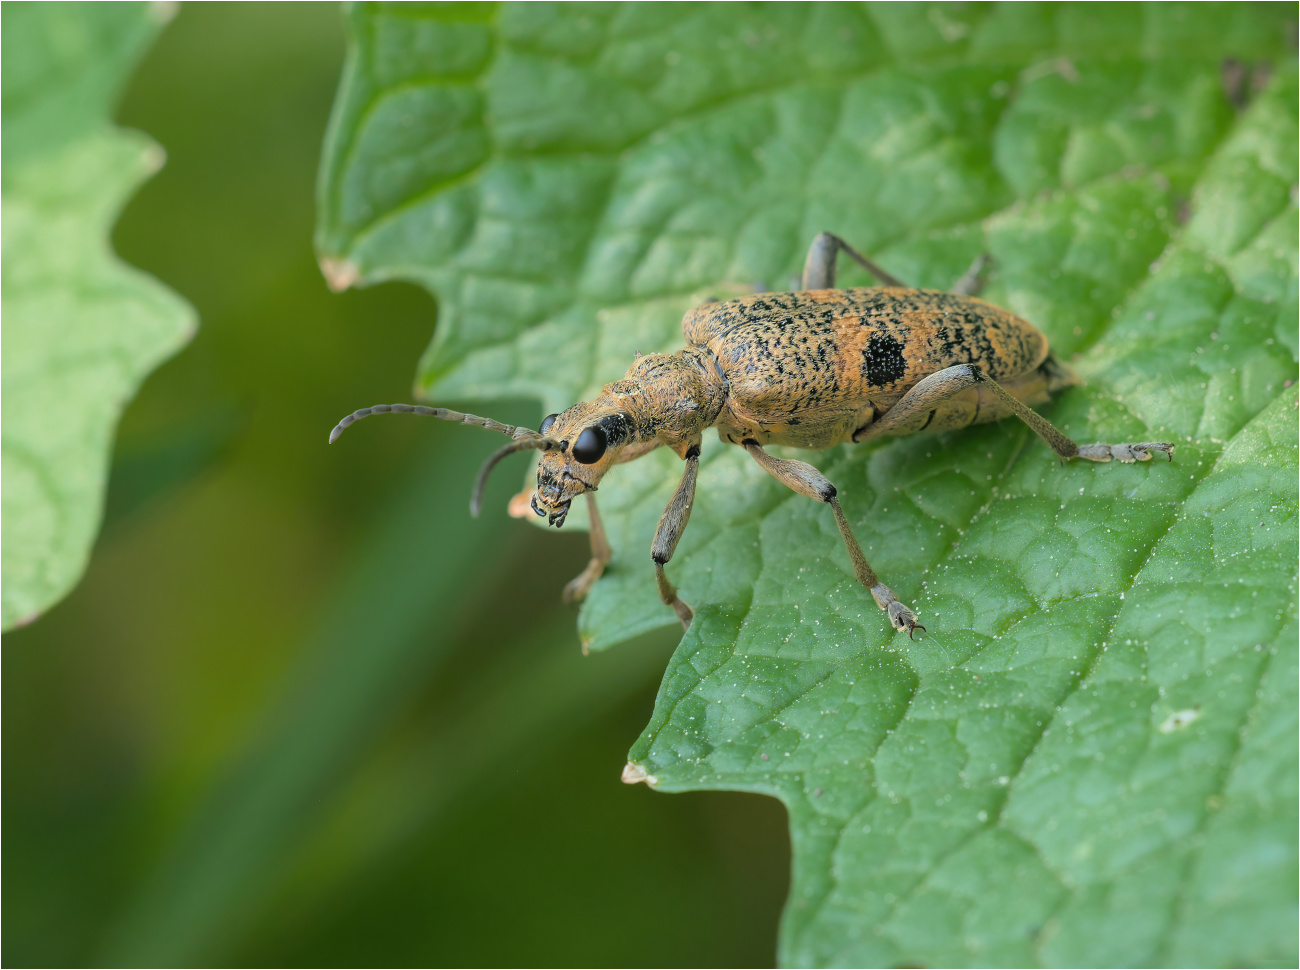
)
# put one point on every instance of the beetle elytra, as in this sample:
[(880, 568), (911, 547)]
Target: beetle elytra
[(812, 368)]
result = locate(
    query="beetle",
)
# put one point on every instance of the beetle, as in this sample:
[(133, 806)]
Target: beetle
[(811, 368)]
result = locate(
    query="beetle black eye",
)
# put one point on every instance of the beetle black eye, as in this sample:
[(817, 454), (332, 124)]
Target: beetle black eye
[(590, 446), (546, 423)]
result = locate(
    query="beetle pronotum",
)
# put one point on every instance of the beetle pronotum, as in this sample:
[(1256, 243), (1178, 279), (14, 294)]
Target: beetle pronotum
[(809, 369)]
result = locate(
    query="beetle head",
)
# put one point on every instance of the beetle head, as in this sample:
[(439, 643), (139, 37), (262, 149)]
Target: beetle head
[(590, 438)]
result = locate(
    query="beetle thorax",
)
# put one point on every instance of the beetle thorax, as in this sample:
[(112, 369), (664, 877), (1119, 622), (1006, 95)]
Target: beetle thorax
[(675, 397)]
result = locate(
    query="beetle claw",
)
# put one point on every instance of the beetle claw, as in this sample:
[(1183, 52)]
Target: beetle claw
[(900, 616)]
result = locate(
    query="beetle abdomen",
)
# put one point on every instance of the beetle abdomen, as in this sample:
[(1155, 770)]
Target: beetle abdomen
[(809, 368)]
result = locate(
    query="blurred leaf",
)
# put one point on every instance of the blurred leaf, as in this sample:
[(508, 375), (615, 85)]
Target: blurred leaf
[(82, 329), (146, 469), (291, 818), (1090, 758), (359, 664)]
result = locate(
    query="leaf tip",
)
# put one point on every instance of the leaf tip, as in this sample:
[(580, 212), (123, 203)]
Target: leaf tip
[(23, 620), (154, 158), (164, 11), (634, 774), (520, 506), (340, 274)]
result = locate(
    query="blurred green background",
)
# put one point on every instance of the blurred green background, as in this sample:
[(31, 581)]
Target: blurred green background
[(302, 710)]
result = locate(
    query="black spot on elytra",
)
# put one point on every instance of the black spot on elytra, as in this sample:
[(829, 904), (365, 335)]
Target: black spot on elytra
[(882, 360)]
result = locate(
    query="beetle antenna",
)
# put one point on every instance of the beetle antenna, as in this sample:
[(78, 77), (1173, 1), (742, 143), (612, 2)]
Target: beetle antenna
[(444, 413), (521, 444)]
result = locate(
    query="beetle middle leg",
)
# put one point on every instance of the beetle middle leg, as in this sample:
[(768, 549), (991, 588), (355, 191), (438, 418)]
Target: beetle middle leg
[(801, 477), (671, 526), (972, 281), (933, 391)]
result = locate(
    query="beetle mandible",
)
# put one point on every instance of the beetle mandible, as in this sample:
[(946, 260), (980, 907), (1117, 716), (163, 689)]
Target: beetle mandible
[(809, 369)]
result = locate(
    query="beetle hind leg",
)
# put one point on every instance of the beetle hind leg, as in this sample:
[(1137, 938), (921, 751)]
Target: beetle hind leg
[(932, 391), (801, 477)]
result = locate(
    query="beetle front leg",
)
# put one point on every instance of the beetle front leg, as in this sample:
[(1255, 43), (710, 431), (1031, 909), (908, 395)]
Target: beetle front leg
[(819, 267), (671, 526), (803, 478), (601, 554)]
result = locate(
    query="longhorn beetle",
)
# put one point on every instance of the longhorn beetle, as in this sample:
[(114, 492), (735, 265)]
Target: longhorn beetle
[(809, 369)]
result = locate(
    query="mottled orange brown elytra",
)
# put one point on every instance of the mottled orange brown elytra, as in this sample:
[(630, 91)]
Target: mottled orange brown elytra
[(808, 369)]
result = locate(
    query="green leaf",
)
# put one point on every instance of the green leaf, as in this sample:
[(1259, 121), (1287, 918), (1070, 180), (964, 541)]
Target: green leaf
[(82, 329), (1090, 758)]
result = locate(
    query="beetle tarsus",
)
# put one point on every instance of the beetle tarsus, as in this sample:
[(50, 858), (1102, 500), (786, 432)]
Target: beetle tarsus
[(1126, 453), (901, 616)]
